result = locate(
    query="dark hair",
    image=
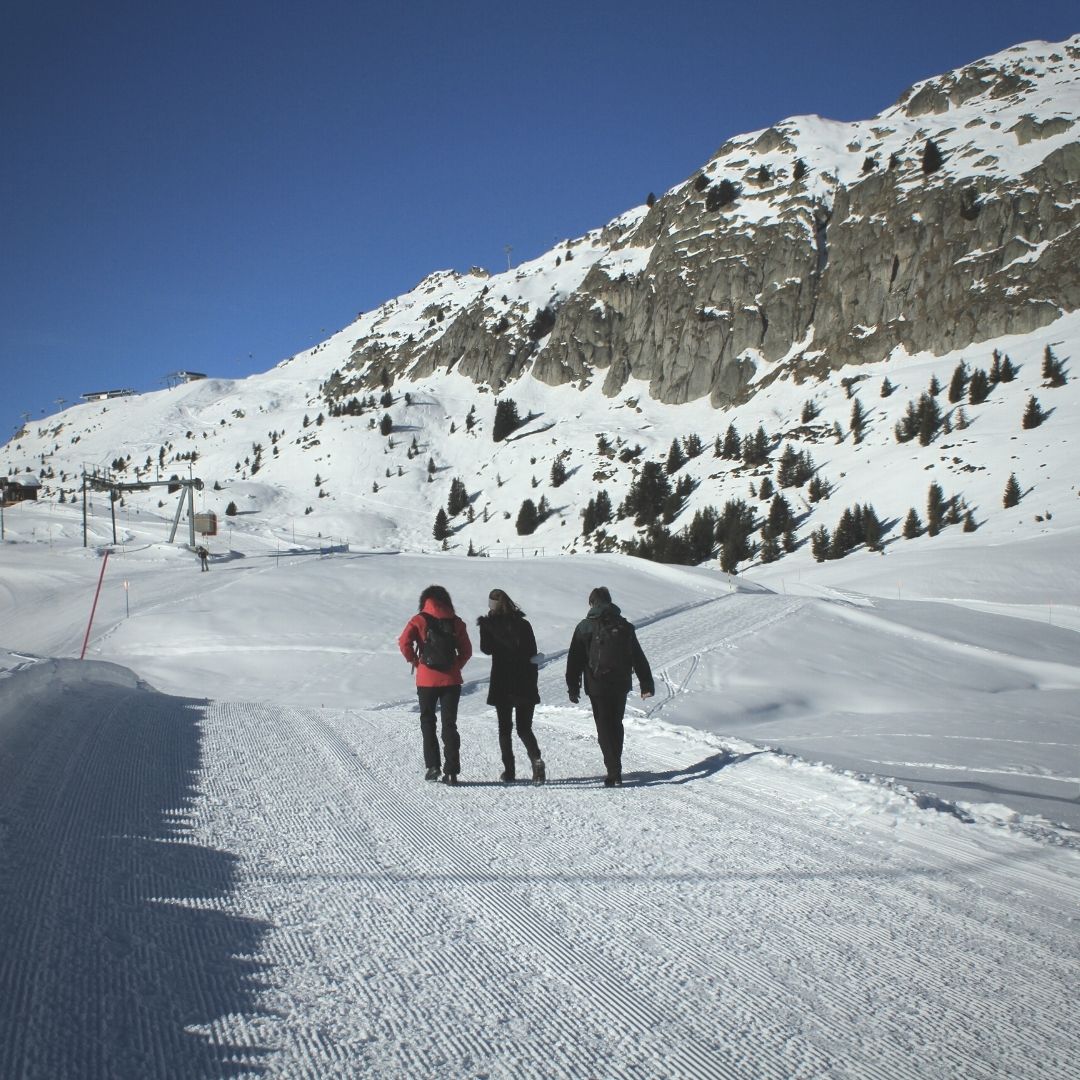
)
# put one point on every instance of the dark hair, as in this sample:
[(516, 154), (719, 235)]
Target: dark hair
[(438, 594), (599, 595), (503, 604)]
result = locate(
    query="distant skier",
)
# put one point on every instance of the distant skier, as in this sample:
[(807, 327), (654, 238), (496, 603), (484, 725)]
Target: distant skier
[(204, 557), (436, 644), (507, 637), (605, 650)]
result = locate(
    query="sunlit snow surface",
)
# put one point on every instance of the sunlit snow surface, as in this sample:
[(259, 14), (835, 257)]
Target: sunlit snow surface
[(218, 856)]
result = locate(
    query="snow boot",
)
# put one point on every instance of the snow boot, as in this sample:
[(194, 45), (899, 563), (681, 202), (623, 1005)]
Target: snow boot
[(433, 773), (539, 771), (507, 776), (449, 778)]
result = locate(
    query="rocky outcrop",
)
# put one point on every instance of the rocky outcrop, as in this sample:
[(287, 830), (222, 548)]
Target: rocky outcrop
[(952, 218)]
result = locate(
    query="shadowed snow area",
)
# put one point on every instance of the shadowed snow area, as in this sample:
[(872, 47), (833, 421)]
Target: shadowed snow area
[(218, 856)]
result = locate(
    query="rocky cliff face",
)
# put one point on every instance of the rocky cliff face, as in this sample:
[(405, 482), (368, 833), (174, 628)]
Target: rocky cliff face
[(951, 218)]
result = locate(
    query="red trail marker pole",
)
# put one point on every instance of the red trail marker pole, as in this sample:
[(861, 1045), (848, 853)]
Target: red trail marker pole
[(97, 593)]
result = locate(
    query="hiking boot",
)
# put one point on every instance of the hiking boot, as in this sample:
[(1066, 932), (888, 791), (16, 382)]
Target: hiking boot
[(449, 778), (613, 780), (433, 773), (539, 771), (507, 776)]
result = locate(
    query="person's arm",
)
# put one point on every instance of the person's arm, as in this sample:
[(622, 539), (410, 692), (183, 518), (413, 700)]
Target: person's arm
[(529, 640), (407, 643), (487, 638), (575, 665), (642, 670), (464, 645)]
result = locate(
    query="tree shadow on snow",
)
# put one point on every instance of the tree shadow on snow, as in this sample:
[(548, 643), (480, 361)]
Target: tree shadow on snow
[(118, 955)]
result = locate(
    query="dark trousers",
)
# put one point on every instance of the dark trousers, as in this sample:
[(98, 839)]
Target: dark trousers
[(505, 712), (446, 697), (608, 711)]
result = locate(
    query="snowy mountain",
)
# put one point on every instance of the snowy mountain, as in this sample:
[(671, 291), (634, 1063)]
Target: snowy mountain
[(847, 842), (803, 272)]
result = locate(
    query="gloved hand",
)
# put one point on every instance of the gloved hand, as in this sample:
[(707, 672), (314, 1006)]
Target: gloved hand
[(575, 698)]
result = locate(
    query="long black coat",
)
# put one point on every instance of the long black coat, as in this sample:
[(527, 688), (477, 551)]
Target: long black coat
[(511, 644)]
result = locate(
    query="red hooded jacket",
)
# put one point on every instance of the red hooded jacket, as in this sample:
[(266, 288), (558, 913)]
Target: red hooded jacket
[(411, 643)]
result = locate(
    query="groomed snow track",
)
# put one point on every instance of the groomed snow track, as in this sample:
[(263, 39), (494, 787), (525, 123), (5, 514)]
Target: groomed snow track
[(196, 889)]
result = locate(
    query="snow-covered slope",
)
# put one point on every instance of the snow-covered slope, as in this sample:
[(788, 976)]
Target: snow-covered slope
[(218, 855), (299, 448)]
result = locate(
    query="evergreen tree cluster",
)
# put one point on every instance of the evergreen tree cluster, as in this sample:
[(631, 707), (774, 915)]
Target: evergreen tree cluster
[(596, 513), (796, 467), (353, 407), (922, 419), (858, 525), (651, 497)]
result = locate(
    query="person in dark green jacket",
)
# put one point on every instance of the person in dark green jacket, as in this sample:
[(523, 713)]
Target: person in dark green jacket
[(605, 652)]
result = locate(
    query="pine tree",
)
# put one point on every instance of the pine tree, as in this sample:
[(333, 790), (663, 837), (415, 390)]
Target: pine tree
[(386, 425), (935, 386), (647, 495), (978, 387), (603, 507), (1012, 492), (912, 525), (969, 522), (755, 448), (766, 489), (1053, 369), (886, 387), (693, 446), (958, 383), (935, 509), (858, 420), (558, 472), (770, 548), (810, 410), (675, 458), (1008, 369), (1033, 414), (820, 543), (929, 419), (528, 518), (441, 531), (506, 421), (780, 518), (732, 443), (873, 530), (588, 518), (458, 498), (817, 489)]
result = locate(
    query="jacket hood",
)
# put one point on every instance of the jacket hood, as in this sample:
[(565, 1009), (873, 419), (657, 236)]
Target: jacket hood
[(600, 610), (439, 611)]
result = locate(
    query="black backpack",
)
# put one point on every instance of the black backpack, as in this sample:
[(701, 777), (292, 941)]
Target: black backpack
[(611, 648), (439, 650)]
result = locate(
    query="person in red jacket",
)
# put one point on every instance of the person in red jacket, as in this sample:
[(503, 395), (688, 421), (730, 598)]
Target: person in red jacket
[(436, 644)]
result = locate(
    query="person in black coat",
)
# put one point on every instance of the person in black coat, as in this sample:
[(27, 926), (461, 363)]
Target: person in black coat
[(507, 637), (607, 677)]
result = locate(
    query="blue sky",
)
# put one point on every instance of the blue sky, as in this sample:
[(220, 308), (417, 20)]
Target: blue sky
[(215, 186)]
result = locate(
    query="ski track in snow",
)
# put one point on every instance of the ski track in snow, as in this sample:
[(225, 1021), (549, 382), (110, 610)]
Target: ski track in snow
[(234, 889)]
